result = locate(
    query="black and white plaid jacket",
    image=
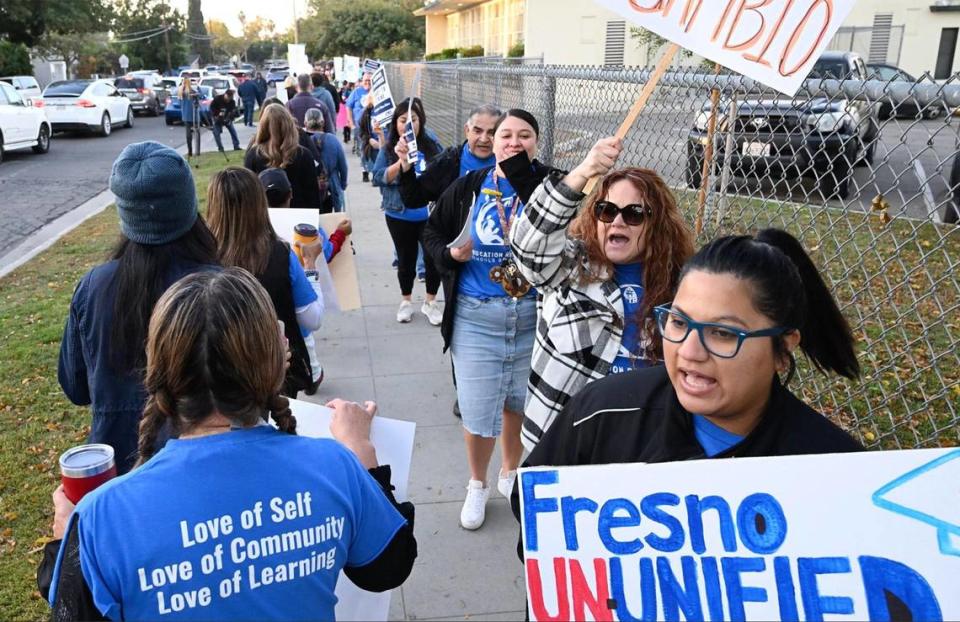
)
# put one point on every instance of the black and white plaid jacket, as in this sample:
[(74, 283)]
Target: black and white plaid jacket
[(579, 325)]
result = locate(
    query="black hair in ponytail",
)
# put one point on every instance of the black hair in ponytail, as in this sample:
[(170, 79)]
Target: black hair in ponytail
[(788, 289)]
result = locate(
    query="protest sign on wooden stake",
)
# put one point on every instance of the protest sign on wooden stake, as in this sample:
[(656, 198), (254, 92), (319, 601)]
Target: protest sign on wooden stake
[(866, 536)]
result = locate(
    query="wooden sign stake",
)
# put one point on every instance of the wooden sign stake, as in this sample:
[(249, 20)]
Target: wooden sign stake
[(708, 154), (641, 102)]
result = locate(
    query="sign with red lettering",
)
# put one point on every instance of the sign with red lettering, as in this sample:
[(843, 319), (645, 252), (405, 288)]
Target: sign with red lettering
[(773, 41), (866, 536)]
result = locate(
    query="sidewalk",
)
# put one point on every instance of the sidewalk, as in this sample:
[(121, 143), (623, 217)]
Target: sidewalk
[(366, 355)]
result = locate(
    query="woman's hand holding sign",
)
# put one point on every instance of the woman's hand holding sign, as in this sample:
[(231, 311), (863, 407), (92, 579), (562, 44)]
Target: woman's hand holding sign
[(599, 161), (350, 424), (403, 154)]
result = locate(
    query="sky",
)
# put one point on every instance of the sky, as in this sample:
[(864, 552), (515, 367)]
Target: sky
[(280, 11)]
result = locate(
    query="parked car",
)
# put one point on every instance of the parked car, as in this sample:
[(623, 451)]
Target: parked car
[(193, 74), (220, 84), (276, 74), (172, 111), (21, 125), (26, 85), (145, 92), (93, 105), (819, 137), (909, 109)]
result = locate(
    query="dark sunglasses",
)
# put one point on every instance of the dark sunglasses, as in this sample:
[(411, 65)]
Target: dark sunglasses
[(633, 214)]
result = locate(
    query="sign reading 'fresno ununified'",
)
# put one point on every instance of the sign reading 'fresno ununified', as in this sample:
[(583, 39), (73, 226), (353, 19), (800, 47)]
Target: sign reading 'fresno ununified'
[(773, 41)]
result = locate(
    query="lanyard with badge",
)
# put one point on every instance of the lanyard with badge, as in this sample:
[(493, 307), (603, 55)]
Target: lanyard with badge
[(507, 274)]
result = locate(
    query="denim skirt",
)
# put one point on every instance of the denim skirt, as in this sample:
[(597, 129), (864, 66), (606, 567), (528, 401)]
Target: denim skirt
[(491, 347)]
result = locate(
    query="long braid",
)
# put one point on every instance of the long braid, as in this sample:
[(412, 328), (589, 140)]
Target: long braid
[(279, 407), (150, 425)]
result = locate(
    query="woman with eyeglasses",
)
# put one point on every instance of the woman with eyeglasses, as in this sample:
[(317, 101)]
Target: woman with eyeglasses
[(743, 308), (600, 273)]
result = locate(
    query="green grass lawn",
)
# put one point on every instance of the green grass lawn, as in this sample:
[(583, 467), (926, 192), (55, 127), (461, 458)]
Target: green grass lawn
[(897, 284), (38, 421)]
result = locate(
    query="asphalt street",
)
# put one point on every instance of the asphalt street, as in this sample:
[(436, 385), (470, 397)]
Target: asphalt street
[(38, 188)]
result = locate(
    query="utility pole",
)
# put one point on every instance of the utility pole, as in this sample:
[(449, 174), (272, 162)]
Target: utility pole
[(166, 44), (296, 23)]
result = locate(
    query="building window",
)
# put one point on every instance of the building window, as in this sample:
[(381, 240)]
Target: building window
[(945, 57)]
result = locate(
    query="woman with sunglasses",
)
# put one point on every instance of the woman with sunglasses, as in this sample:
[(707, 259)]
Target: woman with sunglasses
[(600, 273), (744, 305)]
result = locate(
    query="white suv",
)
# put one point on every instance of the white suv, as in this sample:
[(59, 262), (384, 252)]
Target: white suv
[(21, 126), (26, 85)]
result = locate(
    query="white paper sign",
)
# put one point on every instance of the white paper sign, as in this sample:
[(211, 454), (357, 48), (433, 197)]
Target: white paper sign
[(351, 68), (382, 100), (393, 440), (338, 70), (773, 41), (847, 536)]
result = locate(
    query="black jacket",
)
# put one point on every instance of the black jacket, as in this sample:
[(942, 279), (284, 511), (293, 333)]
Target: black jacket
[(636, 417), (302, 173), (450, 215), (223, 110), (436, 178)]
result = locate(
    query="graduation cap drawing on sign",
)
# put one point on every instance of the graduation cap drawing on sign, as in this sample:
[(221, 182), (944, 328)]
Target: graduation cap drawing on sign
[(929, 494)]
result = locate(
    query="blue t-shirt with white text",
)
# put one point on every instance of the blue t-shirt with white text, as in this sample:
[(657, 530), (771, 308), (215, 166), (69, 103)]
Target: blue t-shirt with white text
[(630, 279), (251, 524), (490, 246)]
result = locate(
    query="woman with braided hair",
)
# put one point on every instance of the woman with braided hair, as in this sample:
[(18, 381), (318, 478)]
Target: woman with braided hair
[(205, 528)]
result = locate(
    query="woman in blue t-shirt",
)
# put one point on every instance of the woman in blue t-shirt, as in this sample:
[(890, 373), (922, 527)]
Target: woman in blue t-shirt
[(406, 223), (490, 313), (233, 519), (600, 271)]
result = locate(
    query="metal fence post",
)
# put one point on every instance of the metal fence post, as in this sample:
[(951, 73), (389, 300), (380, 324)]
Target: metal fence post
[(549, 121), (458, 107)]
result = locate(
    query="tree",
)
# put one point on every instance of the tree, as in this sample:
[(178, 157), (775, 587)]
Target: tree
[(71, 47), (255, 33), (224, 44), (137, 25), (197, 33), (360, 28), (25, 21), (14, 59)]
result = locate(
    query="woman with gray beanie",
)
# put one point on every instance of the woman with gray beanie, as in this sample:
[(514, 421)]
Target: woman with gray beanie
[(162, 238)]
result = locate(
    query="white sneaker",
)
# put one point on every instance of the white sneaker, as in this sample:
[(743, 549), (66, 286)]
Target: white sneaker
[(505, 482), (475, 505), (405, 312), (433, 312)]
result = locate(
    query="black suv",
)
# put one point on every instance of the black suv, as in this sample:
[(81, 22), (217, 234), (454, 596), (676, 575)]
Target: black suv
[(822, 138)]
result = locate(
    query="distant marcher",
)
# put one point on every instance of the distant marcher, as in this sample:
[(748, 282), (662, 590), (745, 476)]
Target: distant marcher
[(332, 162), (249, 94), (262, 87), (223, 109), (277, 145), (303, 101), (356, 104), (319, 92), (162, 239), (368, 138), (343, 117), (237, 212), (290, 86), (326, 83)]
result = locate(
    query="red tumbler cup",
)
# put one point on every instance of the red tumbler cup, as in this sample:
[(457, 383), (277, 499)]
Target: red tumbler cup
[(84, 468)]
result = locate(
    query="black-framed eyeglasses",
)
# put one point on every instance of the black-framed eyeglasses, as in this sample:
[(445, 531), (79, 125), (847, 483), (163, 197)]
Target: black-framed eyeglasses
[(633, 214), (720, 340)]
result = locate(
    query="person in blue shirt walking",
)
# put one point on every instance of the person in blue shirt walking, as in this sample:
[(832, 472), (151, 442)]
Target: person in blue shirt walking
[(356, 103), (600, 270), (405, 223), (333, 161), (256, 522)]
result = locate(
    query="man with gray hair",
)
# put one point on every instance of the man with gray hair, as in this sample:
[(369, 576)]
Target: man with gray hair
[(304, 101), (475, 153)]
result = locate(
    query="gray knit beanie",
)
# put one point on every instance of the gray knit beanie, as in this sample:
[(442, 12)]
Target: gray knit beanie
[(156, 197)]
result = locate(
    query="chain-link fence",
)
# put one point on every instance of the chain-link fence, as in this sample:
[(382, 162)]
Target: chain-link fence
[(865, 173)]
